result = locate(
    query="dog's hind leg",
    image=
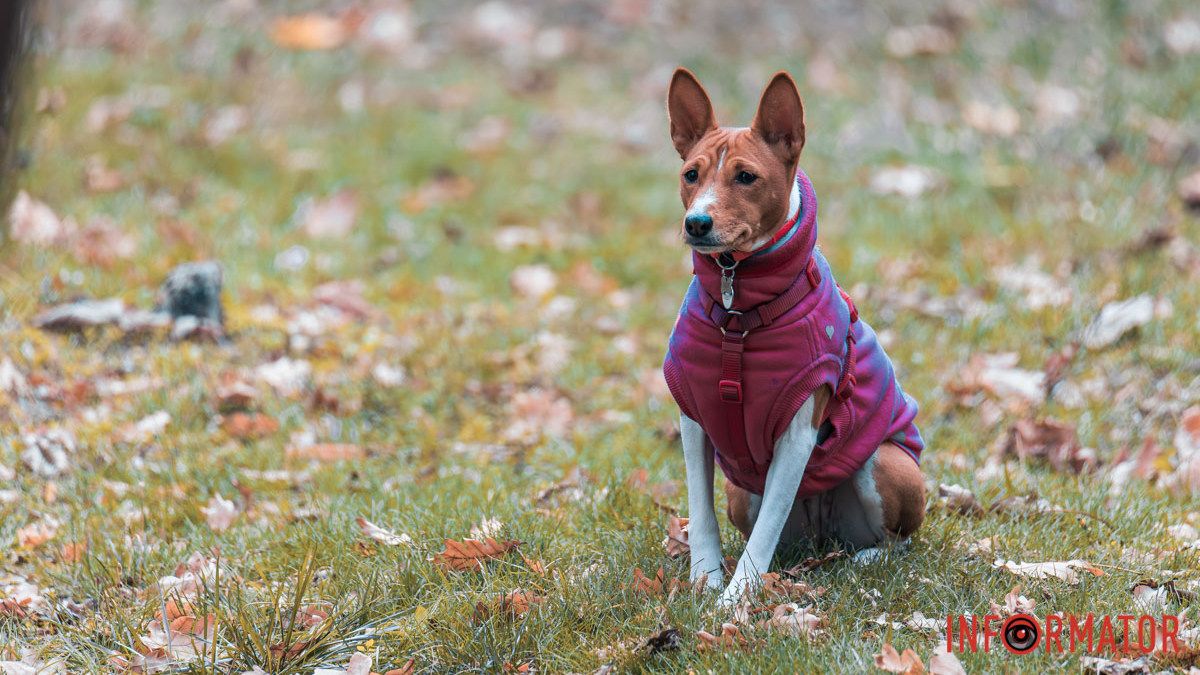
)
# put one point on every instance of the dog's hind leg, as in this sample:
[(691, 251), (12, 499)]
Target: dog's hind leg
[(881, 505)]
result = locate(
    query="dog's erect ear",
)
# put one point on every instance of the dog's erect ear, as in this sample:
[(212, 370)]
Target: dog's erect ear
[(689, 110), (780, 118)]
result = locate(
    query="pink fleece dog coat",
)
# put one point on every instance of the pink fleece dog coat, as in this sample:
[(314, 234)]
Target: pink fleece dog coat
[(744, 373)]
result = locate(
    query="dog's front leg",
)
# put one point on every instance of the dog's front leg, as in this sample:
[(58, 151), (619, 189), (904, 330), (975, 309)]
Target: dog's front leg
[(704, 535), (783, 480)]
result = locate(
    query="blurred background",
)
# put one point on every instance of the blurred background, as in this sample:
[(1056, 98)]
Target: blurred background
[(447, 235)]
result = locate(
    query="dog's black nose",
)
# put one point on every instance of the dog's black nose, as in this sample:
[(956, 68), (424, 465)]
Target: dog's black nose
[(697, 225)]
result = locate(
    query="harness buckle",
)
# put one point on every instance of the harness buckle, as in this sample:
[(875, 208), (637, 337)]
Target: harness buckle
[(730, 390)]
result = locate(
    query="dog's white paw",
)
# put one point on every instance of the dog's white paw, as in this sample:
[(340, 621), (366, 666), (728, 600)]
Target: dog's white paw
[(734, 592), (876, 553), (868, 556), (713, 581)]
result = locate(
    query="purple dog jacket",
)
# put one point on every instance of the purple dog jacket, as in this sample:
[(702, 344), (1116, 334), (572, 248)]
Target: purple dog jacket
[(744, 373)]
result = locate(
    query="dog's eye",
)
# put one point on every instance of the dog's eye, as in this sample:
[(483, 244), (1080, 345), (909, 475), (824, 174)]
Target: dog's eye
[(691, 175), (745, 177)]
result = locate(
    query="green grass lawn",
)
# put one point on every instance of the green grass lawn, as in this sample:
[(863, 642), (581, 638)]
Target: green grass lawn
[(514, 271)]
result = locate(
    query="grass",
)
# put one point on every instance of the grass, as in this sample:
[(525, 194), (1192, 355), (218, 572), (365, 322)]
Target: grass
[(587, 165)]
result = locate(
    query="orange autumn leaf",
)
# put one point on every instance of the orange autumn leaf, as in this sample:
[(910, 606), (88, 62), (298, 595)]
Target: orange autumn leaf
[(242, 425), (676, 542), (730, 638), (514, 604), (469, 554), (72, 551), (906, 663), (655, 585), (310, 32), (406, 669), (327, 452)]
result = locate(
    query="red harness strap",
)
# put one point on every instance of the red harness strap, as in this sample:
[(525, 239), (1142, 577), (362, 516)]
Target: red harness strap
[(735, 326)]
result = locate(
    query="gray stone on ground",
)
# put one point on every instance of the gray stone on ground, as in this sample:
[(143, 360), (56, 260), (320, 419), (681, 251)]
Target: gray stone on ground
[(191, 295)]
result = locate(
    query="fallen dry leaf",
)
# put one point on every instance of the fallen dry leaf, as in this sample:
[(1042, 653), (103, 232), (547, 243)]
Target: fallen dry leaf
[(1067, 571), (513, 604), (469, 554), (327, 452), (1189, 190), (333, 217), (959, 499), (676, 542), (33, 222), (249, 426), (794, 620), (810, 564), (533, 281), (310, 32), (906, 663), (1014, 603), (1116, 319), (920, 40), (730, 638), (774, 585), (385, 537), (36, 534), (1051, 440), (219, 513), (904, 181), (943, 662)]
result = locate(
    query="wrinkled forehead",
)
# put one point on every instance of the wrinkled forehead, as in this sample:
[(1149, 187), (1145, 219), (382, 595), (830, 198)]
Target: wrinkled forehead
[(728, 143)]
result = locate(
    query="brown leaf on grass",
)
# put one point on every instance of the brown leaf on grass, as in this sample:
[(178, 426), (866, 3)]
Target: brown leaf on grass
[(649, 585), (18, 608), (1055, 368), (407, 669), (730, 637), (469, 554), (1014, 603), (249, 426), (102, 242), (1053, 441), (332, 217), (943, 662), (36, 534), (534, 565), (1116, 319), (327, 452), (33, 222), (1067, 571), (99, 178), (311, 32), (1189, 190), (219, 513), (513, 604), (810, 564), (381, 535), (775, 585), (72, 552), (794, 620), (959, 500), (676, 542), (906, 663)]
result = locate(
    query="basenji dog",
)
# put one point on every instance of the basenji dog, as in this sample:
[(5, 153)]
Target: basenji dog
[(775, 375)]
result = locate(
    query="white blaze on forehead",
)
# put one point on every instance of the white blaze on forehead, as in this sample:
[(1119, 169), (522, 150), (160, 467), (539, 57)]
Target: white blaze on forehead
[(700, 204), (721, 160)]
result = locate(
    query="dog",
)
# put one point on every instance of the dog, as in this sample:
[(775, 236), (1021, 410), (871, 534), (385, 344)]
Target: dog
[(775, 375)]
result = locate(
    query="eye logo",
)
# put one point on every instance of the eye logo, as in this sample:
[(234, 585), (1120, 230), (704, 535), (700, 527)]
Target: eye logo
[(1020, 633)]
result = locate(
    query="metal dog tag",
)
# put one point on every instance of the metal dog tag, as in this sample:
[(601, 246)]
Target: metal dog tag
[(727, 290)]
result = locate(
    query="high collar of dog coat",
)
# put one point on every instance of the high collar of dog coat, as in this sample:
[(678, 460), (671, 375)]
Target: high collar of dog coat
[(768, 271)]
